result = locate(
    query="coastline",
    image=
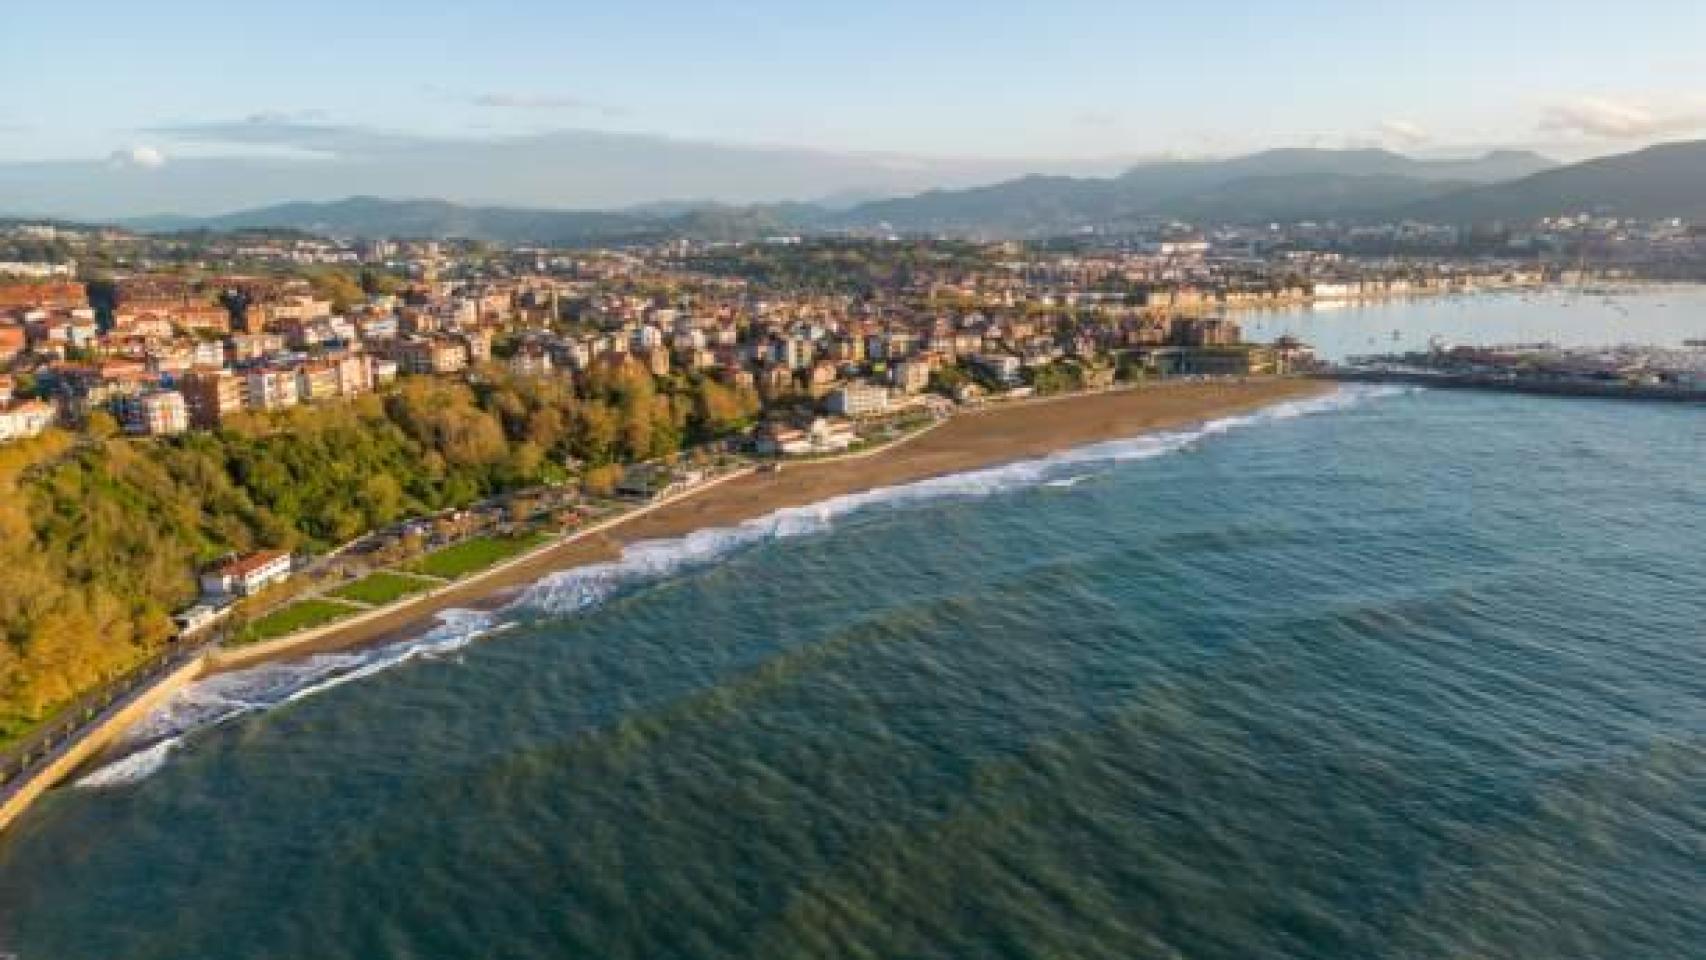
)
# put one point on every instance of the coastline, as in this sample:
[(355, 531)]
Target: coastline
[(970, 440)]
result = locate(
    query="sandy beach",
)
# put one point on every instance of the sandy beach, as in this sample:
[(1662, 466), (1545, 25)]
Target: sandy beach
[(970, 440)]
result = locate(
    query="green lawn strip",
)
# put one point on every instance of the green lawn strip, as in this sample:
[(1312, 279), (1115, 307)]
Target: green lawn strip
[(383, 587), (301, 615), (471, 556)]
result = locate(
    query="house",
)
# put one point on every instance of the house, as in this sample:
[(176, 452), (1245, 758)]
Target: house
[(243, 576), (824, 435)]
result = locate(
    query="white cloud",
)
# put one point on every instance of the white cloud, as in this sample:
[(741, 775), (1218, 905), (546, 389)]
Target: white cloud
[(544, 103), (144, 157), (1607, 118), (530, 101), (1403, 133)]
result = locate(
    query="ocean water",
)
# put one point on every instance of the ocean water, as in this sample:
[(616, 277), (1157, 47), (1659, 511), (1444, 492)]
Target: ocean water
[(1656, 315), (1387, 674)]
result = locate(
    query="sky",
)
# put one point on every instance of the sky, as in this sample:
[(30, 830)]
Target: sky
[(146, 85), (1069, 78)]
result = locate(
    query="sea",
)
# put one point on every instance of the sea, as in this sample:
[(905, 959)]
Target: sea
[(1387, 673)]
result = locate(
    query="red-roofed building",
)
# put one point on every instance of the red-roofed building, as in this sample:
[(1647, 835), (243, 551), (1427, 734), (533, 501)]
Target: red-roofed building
[(245, 575)]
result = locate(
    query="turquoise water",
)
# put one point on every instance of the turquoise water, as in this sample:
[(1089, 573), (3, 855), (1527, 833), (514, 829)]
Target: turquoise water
[(1395, 675)]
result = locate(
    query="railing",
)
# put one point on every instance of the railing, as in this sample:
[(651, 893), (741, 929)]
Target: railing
[(44, 744)]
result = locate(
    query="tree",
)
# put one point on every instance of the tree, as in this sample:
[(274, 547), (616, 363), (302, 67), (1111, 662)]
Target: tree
[(601, 480)]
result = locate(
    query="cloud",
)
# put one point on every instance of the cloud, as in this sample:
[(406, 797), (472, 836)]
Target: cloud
[(1606, 118), (285, 116), (543, 102), (530, 101), (1404, 133), (141, 157), (264, 133)]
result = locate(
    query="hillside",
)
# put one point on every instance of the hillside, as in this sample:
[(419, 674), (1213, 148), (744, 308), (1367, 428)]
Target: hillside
[(101, 537), (1273, 184), (1668, 180)]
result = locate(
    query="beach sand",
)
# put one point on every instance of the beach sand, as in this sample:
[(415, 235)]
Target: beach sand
[(970, 440)]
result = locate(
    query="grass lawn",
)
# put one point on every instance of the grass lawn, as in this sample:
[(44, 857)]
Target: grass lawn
[(298, 616), (475, 554), (379, 589)]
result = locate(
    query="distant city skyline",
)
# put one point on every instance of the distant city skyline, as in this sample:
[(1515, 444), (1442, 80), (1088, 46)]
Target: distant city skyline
[(1083, 86)]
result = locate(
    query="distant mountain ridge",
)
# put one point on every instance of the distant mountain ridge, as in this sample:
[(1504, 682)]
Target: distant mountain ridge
[(1273, 184), (378, 217), (1276, 185), (1667, 180)]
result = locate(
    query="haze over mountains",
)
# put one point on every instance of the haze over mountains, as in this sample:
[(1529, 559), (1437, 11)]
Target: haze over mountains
[(1275, 185), (564, 170)]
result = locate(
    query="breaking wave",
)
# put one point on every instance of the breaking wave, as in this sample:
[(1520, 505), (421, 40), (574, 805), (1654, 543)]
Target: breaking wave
[(218, 699), (571, 591), (227, 696)]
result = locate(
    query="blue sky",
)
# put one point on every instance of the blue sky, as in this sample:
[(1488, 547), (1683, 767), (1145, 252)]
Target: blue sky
[(1071, 78)]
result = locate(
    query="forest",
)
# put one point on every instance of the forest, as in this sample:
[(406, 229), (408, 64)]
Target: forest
[(101, 537)]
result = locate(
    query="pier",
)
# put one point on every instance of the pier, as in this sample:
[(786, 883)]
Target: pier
[(1505, 384)]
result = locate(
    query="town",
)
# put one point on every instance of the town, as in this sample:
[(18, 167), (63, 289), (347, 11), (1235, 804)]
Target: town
[(167, 334), (386, 418)]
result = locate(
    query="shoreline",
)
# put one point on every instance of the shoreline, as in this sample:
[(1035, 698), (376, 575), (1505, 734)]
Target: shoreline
[(969, 440)]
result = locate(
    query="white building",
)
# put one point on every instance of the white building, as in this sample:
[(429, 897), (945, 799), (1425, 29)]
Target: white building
[(245, 575), (858, 399)]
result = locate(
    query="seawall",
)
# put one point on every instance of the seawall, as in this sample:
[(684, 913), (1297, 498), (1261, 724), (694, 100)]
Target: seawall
[(94, 738)]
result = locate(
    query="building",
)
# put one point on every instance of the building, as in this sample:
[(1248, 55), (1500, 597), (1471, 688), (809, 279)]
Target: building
[(823, 436), (1004, 368), (26, 418), (354, 374), (858, 399), (1205, 332), (271, 389), (911, 376), (211, 396), (425, 356), (530, 360), (245, 575), (316, 382), (155, 413)]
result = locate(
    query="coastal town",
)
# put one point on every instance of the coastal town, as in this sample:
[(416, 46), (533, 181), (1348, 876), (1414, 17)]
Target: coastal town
[(165, 335), (622, 379), (779, 481)]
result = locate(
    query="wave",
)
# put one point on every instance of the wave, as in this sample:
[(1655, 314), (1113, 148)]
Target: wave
[(224, 697), (571, 591), (219, 699), (132, 768)]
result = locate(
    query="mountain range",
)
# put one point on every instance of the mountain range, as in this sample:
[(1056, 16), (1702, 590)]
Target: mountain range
[(1287, 184), (1275, 185)]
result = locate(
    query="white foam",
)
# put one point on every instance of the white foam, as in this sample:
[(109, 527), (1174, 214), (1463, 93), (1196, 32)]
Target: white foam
[(137, 766), (570, 591), (224, 697), (221, 698)]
